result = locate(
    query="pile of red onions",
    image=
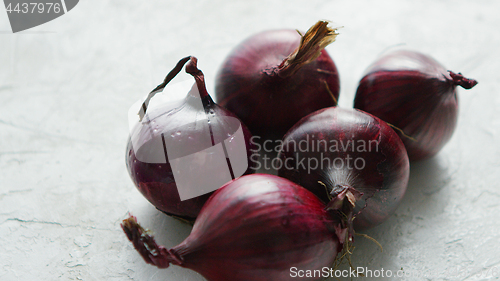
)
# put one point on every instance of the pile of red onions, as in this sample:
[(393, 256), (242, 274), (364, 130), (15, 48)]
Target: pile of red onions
[(351, 160), (256, 227), (183, 126), (340, 169), (274, 78), (414, 93)]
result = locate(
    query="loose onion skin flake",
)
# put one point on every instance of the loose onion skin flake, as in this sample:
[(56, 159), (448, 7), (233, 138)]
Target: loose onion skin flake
[(417, 95), (156, 180), (256, 228), (274, 78), (351, 160)]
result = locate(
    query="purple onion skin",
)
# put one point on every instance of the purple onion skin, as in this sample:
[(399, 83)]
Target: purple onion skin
[(155, 180), (382, 180), (249, 83), (253, 228), (416, 94)]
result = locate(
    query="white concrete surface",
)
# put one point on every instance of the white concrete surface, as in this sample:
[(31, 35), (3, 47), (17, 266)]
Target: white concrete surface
[(66, 86)]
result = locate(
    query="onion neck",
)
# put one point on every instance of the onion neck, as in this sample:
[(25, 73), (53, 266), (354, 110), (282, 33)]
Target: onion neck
[(311, 44), (162, 86), (460, 80), (343, 199), (145, 244), (192, 69)]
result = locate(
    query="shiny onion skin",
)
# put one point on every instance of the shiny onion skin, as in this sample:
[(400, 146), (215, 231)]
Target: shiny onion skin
[(254, 228), (340, 140), (270, 82), (156, 180), (417, 95)]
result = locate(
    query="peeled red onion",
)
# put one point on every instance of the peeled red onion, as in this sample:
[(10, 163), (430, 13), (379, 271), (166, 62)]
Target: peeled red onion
[(188, 126), (274, 78), (256, 227), (351, 160), (417, 95)]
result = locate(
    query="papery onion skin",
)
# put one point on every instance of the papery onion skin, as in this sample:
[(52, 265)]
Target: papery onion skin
[(417, 95), (338, 134), (254, 84), (254, 228), (156, 180)]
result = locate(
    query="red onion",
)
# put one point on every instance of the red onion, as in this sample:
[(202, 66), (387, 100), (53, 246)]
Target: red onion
[(351, 160), (195, 123), (274, 78), (256, 227), (416, 94)]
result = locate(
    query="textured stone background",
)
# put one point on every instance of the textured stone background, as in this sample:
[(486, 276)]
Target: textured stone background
[(66, 86)]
